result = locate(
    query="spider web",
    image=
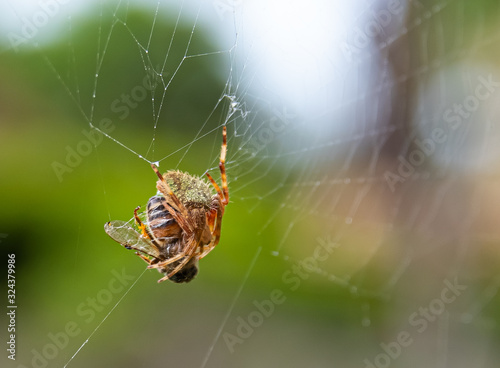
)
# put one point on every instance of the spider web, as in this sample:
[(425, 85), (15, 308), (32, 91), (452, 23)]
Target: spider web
[(363, 176)]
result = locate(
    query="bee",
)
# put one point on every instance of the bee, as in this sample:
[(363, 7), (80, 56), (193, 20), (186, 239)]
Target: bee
[(183, 222)]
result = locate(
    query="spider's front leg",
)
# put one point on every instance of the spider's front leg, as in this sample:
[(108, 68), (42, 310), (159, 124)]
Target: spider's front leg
[(174, 206)]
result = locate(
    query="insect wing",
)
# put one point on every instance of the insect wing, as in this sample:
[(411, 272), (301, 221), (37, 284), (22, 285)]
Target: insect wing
[(121, 232)]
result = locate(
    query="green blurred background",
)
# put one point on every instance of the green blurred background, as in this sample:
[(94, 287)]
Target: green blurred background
[(305, 186)]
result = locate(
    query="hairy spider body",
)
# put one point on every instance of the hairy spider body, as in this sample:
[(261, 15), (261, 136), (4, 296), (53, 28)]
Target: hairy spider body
[(196, 195), (183, 222), (191, 190)]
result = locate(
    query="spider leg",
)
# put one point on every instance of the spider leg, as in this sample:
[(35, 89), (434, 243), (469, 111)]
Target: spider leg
[(214, 220), (210, 216), (144, 231), (209, 247), (222, 167), (146, 259), (188, 254), (207, 250), (168, 261), (174, 206), (224, 193), (216, 186), (213, 243), (214, 217), (176, 269), (189, 251)]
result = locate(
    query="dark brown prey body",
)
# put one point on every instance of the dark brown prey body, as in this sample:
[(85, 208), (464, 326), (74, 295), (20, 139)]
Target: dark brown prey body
[(168, 235)]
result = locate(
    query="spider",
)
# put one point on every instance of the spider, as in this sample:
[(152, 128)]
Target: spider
[(183, 222)]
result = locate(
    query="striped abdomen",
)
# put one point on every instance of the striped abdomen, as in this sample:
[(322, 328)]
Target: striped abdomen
[(163, 227)]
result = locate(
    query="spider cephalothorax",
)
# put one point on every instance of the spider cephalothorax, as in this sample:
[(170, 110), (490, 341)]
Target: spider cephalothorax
[(183, 222)]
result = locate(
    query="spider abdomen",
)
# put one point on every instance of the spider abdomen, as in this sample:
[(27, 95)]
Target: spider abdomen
[(192, 191)]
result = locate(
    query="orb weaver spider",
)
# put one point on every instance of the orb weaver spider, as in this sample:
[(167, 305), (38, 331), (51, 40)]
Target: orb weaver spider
[(183, 222)]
